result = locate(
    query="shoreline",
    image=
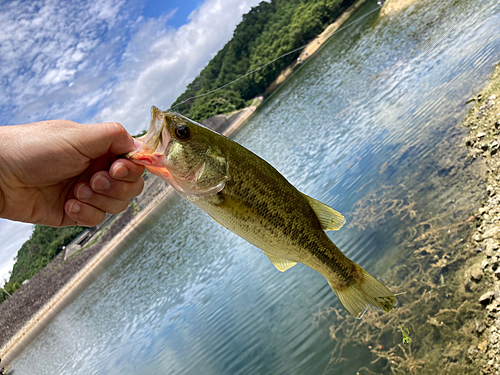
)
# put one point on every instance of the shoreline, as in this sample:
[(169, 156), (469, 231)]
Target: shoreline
[(315, 45), (448, 321), (482, 146), (393, 6), (28, 332), (483, 122), (20, 341)]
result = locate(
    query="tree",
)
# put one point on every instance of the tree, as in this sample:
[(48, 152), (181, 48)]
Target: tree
[(268, 31)]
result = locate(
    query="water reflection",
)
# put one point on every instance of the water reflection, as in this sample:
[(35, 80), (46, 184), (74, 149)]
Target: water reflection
[(367, 123)]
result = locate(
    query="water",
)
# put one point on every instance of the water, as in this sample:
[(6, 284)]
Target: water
[(368, 121)]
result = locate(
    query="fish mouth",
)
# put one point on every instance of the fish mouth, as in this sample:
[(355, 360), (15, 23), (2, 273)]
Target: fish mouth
[(152, 146), (152, 162)]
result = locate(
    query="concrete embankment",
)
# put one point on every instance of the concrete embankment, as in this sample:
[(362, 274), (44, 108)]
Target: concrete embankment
[(392, 6), (33, 306), (36, 303)]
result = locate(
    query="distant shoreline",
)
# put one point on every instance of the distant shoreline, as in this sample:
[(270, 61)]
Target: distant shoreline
[(82, 278), (24, 336), (315, 45), (391, 6)]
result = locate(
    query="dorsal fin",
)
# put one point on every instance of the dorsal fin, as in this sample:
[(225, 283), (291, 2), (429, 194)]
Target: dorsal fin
[(280, 263), (328, 217)]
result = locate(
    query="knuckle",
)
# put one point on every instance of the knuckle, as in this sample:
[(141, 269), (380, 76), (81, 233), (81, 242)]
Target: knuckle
[(117, 208), (91, 216), (96, 219), (139, 187), (128, 190), (124, 192), (115, 127)]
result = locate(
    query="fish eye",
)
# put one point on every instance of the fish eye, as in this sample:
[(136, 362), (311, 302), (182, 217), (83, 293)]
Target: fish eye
[(182, 132)]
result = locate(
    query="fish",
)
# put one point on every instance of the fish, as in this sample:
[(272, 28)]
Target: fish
[(248, 196)]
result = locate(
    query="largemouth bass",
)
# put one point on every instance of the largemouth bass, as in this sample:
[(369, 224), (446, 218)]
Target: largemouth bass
[(249, 197)]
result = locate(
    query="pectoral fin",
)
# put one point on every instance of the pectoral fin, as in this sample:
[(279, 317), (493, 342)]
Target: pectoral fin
[(280, 263), (328, 217)]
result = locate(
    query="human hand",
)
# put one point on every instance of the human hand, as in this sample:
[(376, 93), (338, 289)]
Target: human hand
[(61, 173)]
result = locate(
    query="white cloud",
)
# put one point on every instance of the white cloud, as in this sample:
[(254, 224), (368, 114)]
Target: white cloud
[(97, 61), (42, 46), (160, 62), (12, 235)]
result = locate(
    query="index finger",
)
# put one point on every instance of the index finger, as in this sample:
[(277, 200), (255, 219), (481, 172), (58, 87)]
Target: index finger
[(125, 170)]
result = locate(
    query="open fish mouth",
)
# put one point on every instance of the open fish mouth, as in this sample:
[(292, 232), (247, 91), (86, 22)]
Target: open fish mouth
[(153, 146)]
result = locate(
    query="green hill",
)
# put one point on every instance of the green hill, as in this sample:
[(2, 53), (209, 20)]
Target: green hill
[(44, 244), (265, 33)]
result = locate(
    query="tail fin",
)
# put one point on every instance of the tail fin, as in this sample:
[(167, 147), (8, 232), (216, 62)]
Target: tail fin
[(368, 291)]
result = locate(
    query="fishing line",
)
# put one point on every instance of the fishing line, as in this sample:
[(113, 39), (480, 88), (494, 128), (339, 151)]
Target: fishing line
[(276, 59)]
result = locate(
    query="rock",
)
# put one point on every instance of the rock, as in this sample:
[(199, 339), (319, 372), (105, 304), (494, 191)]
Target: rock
[(480, 135), (476, 273), (486, 298), (493, 246), (491, 190), (484, 264), (472, 352), (490, 233), (489, 251), (480, 328), (492, 308), (495, 263), (494, 147)]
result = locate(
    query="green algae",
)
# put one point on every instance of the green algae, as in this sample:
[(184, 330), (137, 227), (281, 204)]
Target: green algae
[(433, 248)]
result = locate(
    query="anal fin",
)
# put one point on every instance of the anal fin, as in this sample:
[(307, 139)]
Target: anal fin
[(280, 263)]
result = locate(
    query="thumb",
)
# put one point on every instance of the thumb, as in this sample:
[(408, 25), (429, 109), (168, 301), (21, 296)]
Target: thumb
[(107, 137)]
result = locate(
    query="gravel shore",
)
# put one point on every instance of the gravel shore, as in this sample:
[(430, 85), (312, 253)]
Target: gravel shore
[(484, 123), (483, 142), (16, 311), (21, 313)]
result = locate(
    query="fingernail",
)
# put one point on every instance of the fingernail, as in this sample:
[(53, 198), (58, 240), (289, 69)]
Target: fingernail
[(137, 144), (120, 171), (84, 192), (74, 208), (100, 183)]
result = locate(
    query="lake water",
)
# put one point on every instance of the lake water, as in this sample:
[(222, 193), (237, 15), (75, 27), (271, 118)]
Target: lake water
[(371, 119)]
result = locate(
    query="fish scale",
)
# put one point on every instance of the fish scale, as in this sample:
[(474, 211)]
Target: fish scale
[(251, 198)]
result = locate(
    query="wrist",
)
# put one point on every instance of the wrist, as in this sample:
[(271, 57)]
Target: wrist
[(2, 172), (5, 172), (2, 202)]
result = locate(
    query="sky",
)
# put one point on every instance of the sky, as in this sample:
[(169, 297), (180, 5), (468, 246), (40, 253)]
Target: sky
[(102, 60)]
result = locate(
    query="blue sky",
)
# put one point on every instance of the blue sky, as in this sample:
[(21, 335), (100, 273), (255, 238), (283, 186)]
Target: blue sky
[(102, 60)]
